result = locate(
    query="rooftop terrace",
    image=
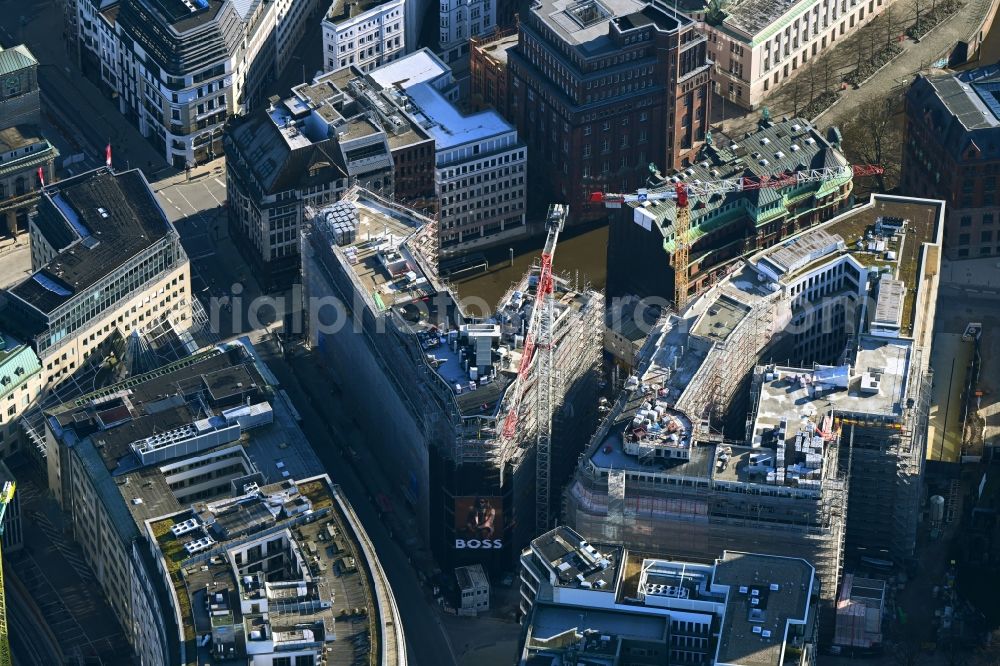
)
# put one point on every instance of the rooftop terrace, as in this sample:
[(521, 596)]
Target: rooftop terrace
[(887, 234), (577, 563), (317, 593)]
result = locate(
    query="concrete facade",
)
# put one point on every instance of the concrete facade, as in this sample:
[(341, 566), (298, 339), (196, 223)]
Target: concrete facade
[(758, 46), (208, 60), (461, 20), (365, 35)]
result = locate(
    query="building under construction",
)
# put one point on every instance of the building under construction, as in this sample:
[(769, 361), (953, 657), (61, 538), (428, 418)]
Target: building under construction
[(726, 227), (660, 476), (435, 386)]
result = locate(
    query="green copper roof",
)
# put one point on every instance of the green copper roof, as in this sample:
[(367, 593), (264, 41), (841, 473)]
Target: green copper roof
[(15, 59), (17, 363)]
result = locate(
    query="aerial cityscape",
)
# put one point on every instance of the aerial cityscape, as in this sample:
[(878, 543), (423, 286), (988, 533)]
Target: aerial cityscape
[(499, 332)]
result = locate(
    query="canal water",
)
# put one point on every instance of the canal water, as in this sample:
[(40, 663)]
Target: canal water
[(582, 253), (581, 256)]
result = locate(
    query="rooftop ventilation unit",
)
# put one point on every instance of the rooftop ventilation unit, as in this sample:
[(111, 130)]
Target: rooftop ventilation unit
[(198, 545)]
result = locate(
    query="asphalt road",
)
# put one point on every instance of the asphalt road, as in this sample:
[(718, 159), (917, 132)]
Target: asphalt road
[(73, 102), (427, 643)]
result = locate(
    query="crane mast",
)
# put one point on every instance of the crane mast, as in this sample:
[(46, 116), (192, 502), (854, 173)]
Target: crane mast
[(6, 497), (682, 190), (539, 336)]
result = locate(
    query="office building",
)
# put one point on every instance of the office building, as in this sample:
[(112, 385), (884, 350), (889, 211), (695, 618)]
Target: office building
[(432, 386), (727, 226), (603, 604), (851, 303), (292, 20), (952, 152), (197, 63), (489, 75), (21, 382), (330, 134), (460, 21), (479, 161), (104, 257), (19, 103), (195, 499), (758, 46), (365, 35), (599, 91)]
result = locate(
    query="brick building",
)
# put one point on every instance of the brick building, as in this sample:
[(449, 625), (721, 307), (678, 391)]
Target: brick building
[(952, 152), (488, 72), (602, 88)]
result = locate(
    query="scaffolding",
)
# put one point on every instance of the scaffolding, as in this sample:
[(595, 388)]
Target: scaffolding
[(711, 391)]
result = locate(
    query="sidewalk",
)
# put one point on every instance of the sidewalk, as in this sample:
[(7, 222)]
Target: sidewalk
[(899, 73), (70, 98), (915, 57)]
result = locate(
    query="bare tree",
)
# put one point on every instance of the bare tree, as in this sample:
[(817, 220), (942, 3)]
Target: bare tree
[(874, 135)]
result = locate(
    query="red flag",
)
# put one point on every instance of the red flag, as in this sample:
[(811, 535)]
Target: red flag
[(107, 155), (41, 176)]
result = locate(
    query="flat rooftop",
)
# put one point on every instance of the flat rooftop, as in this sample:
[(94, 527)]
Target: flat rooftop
[(377, 251), (897, 254), (754, 16), (781, 586), (421, 66), (721, 318), (183, 15), (585, 24), (324, 578), (884, 363), (611, 454), (108, 218), (19, 136), (578, 563), (550, 621), (341, 10), (497, 49), (448, 126)]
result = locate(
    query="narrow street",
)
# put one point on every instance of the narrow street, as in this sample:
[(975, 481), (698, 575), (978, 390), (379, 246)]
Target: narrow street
[(322, 415)]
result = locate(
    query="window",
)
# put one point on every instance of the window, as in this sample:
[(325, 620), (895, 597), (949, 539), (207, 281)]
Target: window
[(987, 218), (986, 237), (963, 239), (966, 221)]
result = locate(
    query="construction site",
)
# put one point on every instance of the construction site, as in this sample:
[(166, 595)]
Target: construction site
[(673, 467), (476, 416), (727, 225)]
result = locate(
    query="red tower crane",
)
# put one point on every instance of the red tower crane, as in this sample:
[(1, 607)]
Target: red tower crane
[(538, 336), (683, 189)]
